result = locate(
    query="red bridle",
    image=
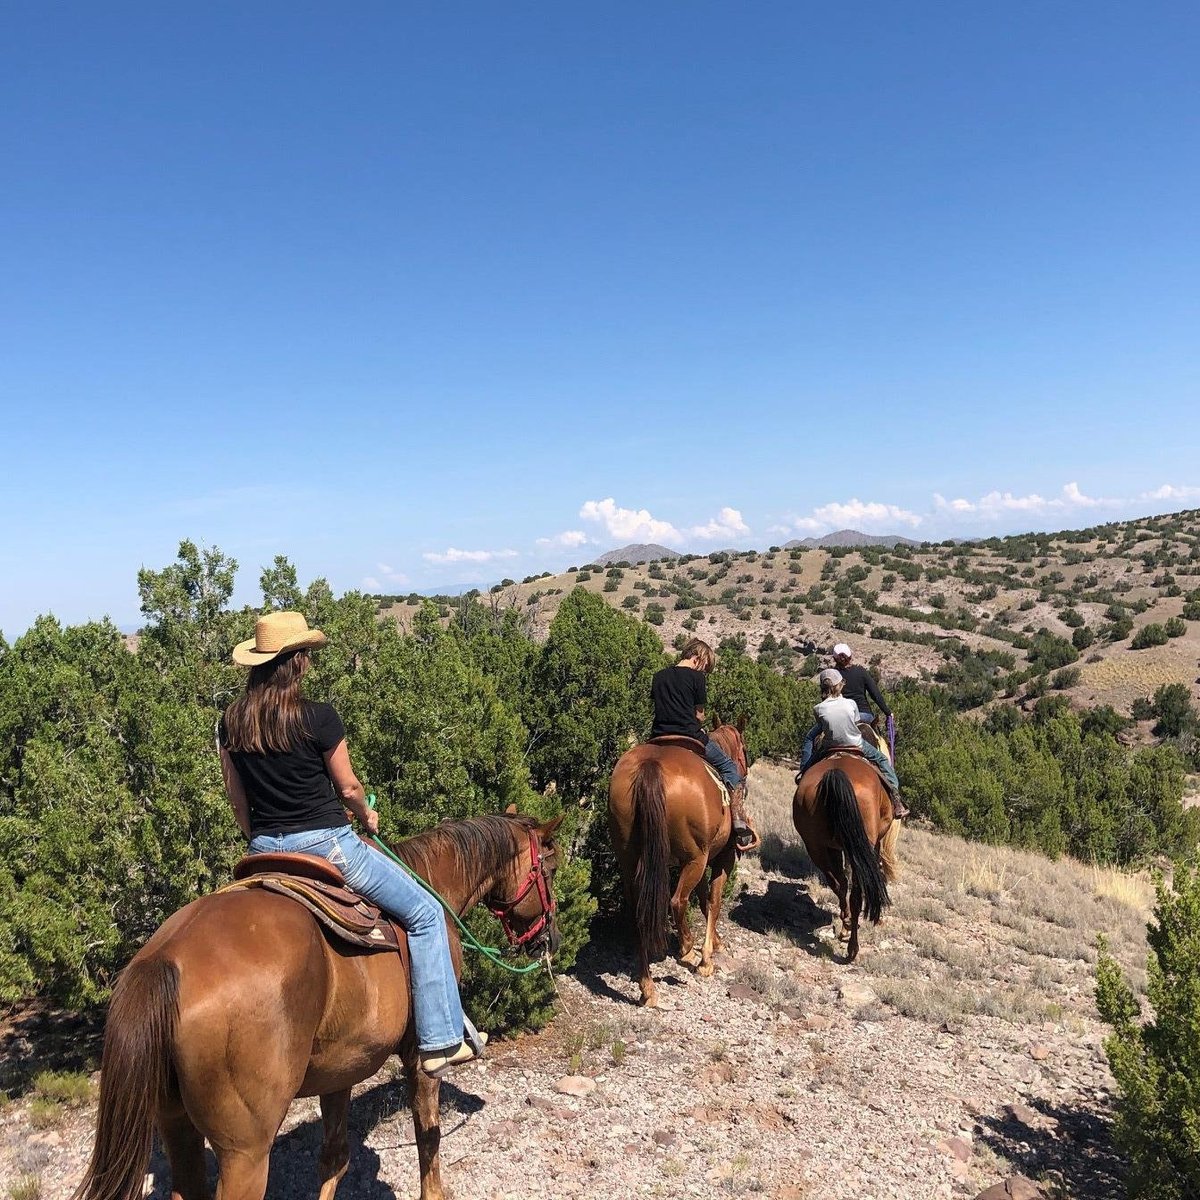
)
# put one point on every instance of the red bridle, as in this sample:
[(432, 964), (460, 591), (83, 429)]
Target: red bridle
[(536, 877)]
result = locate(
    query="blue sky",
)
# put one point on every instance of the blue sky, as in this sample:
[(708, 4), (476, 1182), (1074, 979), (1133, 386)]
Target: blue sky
[(424, 295)]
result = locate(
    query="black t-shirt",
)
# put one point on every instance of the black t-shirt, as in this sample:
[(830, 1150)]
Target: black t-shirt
[(291, 792), (677, 693), (858, 684)]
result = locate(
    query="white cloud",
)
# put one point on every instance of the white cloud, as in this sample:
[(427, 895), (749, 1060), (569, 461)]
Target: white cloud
[(858, 513), (808, 525), (995, 503), (629, 524), (453, 555), (1169, 491), (727, 523), (371, 584), (569, 538)]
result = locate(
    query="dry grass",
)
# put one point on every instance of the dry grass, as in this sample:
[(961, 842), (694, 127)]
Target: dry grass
[(977, 929), (28, 1187)]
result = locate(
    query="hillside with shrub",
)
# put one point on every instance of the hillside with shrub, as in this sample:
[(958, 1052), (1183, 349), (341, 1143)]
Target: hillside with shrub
[(1104, 616), (112, 812)]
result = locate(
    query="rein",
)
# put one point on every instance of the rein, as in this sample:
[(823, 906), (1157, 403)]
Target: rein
[(493, 954)]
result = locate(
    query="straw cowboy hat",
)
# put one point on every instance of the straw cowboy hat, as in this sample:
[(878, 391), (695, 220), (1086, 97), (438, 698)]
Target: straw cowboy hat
[(275, 633)]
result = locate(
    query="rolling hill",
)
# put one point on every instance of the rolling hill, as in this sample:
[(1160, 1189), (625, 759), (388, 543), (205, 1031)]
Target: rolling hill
[(1104, 615)]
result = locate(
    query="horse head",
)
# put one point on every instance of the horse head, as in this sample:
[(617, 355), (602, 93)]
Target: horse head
[(523, 900)]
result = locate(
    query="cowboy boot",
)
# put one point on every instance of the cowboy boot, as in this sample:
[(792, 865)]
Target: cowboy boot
[(744, 835)]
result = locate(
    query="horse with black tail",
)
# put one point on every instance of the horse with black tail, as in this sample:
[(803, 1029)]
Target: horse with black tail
[(665, 809), (242, 1001), (844, 814)]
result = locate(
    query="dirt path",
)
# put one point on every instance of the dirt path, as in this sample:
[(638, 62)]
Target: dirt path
[(961, 1048)]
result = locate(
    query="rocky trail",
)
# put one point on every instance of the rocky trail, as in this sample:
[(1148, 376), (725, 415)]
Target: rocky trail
[(962, 1050)]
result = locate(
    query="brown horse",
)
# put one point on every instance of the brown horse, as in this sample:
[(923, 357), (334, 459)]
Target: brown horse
[(239, 1003), (664, 808), (844, 814)]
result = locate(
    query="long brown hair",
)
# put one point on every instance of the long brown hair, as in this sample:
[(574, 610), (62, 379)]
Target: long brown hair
[(269, 715), (702, 652)]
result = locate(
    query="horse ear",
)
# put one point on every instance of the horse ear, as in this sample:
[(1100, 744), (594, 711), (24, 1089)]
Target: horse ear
[(511, 810), (547, 831), (741, 722)]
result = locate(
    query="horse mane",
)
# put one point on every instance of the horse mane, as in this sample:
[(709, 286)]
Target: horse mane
[(487, 843)]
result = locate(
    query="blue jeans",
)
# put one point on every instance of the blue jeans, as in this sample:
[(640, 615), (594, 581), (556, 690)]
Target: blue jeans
[(726, 767), (885, 768), (437, 1008)]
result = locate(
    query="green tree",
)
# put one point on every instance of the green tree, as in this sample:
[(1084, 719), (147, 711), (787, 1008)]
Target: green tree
[(1157, 1064)]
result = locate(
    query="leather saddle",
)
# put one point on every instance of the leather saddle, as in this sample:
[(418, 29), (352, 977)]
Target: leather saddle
[(318, 885), (695, 745)]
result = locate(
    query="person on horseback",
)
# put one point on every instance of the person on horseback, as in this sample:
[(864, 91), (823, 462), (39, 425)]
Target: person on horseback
[(858, 683), (680, 694), (837, 719), (288, 774)]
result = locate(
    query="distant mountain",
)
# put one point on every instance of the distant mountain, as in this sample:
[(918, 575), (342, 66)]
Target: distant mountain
[(850, 537), (639, 553)]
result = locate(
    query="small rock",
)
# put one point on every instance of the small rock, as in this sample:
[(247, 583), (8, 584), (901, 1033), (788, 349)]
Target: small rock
[(575, 1085), (742, 991), (1038, 1052), (1030, 1118), (1016, 1188), (817, 1021), (557, 1111), (956, 1148), (664, 1137), (857, 994)]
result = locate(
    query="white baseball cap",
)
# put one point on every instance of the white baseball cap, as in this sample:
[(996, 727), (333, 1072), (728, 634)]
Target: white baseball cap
[(842, 650)]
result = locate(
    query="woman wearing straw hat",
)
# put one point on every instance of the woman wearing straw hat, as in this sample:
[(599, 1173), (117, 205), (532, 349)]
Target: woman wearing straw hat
[(288, 775)]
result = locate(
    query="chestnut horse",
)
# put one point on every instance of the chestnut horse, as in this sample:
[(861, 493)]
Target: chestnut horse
[(664, 808), (239, 1003), (844, 814)]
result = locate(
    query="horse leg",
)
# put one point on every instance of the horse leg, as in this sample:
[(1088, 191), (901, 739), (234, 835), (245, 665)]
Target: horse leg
[(243, 1173), (423, 1092), (839, 880), (335, 1149), (856, 903), (711, 903), (688, 878), (185, 1152), (646, 984)]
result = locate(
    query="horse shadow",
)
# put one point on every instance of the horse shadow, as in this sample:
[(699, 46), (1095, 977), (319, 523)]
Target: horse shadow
[(787, 908), (1074, 1148), (295, 1154), (612, 950)]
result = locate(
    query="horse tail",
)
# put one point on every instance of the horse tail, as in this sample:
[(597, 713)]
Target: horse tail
[(887, 853), (135, 1074), (835, 793), (652, 879)]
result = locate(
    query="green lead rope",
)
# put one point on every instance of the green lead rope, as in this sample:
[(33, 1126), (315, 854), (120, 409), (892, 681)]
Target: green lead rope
[(491, 953)]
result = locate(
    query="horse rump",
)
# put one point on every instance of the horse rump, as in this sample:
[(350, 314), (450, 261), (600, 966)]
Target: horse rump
[(835, 793), (135, 1074), (652, 877)]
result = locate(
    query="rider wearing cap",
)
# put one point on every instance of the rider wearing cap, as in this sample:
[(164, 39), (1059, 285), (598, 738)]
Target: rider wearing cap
[(858, 683), (837, 718)]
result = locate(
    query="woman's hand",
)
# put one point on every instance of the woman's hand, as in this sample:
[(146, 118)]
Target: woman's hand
[(371, 821)]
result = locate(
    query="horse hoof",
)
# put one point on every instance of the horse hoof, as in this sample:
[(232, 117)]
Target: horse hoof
[(705, 970), (843, 936), (691, 958)]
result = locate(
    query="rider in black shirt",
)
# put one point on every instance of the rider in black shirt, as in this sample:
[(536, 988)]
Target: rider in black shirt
[(858, 683), (680, 694)]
